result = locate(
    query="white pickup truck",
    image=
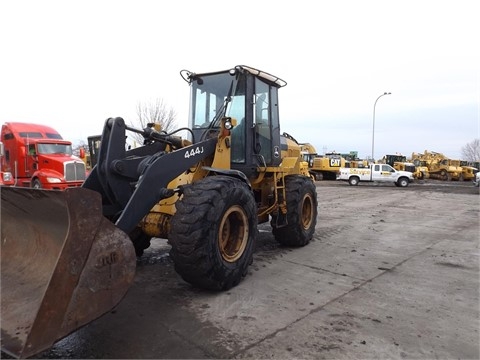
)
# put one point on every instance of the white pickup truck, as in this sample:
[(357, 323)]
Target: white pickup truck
[(375, 172)]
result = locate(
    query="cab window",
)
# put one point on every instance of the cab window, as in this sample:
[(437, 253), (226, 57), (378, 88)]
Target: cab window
[(262, 120)]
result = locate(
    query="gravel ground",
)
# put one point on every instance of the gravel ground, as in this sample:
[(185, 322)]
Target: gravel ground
[(391, 273)]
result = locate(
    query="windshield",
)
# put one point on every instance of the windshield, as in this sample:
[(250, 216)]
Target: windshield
[(54, 149), (214, 96)]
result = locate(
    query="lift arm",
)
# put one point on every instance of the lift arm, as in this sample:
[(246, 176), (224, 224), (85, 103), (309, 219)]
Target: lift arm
[(132, 182)]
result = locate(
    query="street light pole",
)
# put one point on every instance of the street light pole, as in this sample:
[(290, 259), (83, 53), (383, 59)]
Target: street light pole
[(373, 131)]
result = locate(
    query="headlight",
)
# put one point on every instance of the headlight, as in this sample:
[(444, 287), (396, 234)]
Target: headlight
[(7, 176), (54, 180)]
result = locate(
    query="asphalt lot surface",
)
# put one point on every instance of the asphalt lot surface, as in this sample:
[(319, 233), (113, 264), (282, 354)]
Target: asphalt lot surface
[(391, 273)]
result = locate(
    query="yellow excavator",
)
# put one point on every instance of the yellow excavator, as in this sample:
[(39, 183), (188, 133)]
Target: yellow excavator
[(322, 167), (68, 257)]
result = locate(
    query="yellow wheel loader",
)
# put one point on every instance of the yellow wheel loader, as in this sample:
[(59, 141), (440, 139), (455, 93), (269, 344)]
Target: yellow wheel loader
[(69, 256), (400, 163)]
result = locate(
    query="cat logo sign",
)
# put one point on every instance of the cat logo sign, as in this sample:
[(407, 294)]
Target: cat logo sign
[(335, 162)]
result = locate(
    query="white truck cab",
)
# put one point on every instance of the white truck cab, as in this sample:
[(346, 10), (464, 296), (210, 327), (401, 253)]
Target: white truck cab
[(375, 172)]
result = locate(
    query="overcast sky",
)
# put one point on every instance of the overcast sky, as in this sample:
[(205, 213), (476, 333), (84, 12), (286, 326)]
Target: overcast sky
[(73, 64)]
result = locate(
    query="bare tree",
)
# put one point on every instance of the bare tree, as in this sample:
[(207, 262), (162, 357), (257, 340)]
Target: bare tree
[(81, 144), (154, 112), (471, 151)]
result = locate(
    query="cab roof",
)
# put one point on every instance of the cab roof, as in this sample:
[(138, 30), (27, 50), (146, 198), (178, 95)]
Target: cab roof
[(272, 79)]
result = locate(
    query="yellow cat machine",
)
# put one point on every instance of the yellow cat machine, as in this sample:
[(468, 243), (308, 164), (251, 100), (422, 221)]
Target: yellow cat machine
[(399, 162), (439, 166), (322, 167), (421, 169), (468, 170), (70, 256), (358, 164), (353, 161)]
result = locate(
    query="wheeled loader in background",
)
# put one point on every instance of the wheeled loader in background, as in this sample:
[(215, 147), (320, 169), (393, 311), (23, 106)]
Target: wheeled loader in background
[(70, 256), (399, 162)]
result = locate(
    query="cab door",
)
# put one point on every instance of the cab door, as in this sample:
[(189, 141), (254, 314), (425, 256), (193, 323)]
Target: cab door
[(31, 160), (383, 172), (266, 123)]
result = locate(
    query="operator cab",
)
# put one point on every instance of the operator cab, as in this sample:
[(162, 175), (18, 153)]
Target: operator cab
[(249, 96)]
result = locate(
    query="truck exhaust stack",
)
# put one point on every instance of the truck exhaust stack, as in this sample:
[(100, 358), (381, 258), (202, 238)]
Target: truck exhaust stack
[(62, 266)]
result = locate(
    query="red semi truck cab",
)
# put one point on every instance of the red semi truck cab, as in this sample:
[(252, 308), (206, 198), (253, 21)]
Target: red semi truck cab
[(37, 156)]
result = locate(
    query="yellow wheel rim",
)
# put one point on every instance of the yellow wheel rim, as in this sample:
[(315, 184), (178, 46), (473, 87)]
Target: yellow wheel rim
[(233, 234), (307, 211)]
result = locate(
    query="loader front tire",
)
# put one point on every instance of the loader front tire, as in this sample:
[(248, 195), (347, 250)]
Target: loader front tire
[(301, 214), (213, 232)]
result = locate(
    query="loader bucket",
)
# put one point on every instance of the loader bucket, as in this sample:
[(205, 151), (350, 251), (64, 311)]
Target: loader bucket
[(62, 266)]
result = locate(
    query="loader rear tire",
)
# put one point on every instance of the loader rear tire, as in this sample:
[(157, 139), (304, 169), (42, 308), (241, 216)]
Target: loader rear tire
[(213, 232), (301, 215)]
